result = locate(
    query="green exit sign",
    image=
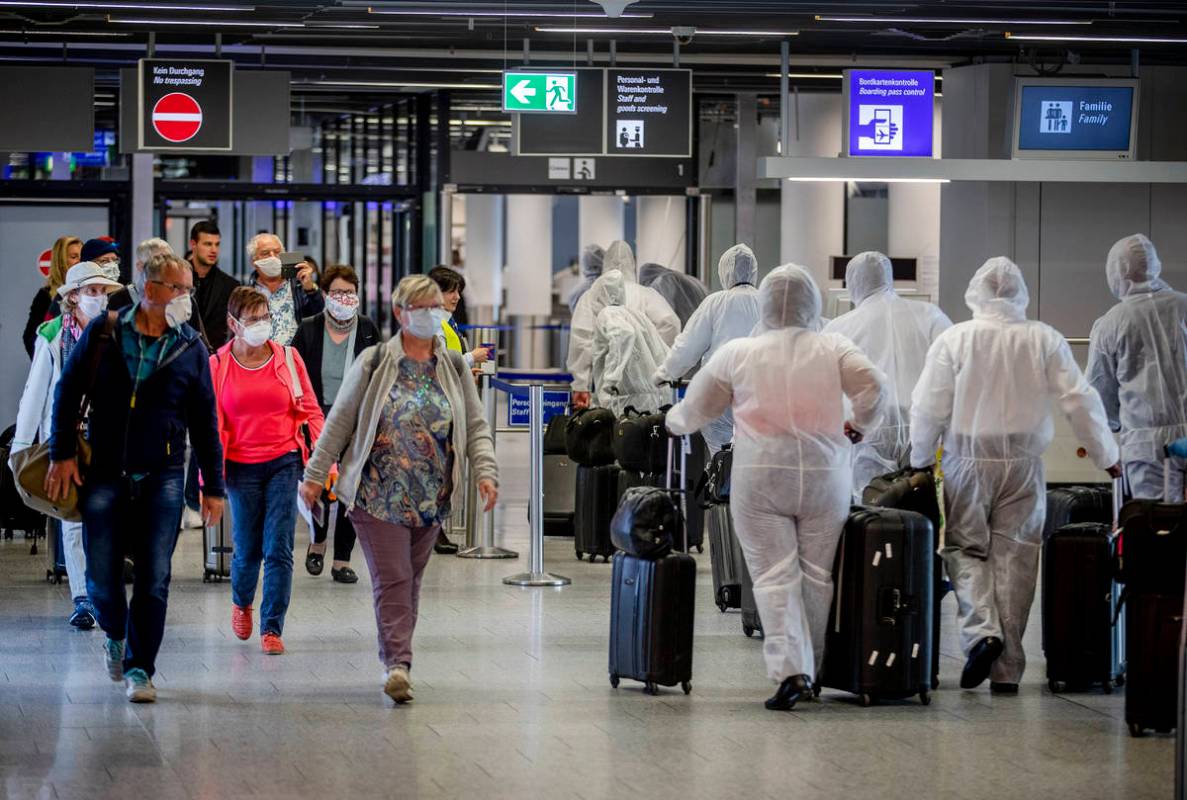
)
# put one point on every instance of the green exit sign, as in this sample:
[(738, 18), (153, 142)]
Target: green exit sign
[(547, 92)]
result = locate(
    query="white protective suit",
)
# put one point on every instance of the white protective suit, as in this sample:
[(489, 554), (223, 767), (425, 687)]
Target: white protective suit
[(895, 333), (986, 391), (646, 301), (791, 478), (1137, 360), (627, 351), (592, 258), (729, 314), (684, 293)]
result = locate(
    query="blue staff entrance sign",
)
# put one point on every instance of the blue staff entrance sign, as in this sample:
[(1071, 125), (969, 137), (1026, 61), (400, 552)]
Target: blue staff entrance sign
[(519, 409)]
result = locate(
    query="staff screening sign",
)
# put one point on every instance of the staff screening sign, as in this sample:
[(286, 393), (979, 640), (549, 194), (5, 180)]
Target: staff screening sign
[(546, 92), (185, 105)]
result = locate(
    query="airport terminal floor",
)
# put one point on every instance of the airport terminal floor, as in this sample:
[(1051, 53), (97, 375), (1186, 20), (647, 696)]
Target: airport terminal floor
[(512, 701)]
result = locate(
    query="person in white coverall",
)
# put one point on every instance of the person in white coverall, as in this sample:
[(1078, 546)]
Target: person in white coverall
[(1137, 360), (986, 391), (725, 315), (791, 479), (646, 301), (627, 351), (591, 268), (895, 333)]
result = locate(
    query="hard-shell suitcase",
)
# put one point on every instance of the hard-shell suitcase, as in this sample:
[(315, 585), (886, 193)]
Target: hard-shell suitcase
[(879, 642), (688, 471), (218, 545), (55, 555), (725, 557), (1078, 607), (651, 620), (596, 501), (1070, 504), (1154, 625), (560, 494)]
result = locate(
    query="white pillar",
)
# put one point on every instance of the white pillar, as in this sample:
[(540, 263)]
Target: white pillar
[(661, 230), (600, 219), (529, 254), (142, 201), (812, 215), (484, 251)]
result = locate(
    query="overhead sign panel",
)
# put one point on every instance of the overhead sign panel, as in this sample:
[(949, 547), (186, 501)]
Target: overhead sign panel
[(542, 92), (649, 112), (576, 134), (1069, 118), (889, 112), (185, 105)]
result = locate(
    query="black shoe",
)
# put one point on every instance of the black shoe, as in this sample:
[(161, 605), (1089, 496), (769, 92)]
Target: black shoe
[(1003, 688), (789, 692), (129, 571), (314, 562), (980, 660), (444, 547), (344, 575)]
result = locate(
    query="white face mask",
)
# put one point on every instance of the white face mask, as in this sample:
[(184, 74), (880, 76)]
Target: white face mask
[(269, 267), (139, 279), (343, 312), (111, 270), (178, 311), (256, 333), (423, 323), (91, 306)]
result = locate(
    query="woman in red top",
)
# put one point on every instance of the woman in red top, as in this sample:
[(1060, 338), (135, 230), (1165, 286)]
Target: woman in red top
[(268, 419)]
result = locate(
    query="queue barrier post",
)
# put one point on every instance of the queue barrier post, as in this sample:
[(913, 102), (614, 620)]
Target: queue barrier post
[(476, 516)]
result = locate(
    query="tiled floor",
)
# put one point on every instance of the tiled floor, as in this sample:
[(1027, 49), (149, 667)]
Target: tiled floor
[(512, 700)]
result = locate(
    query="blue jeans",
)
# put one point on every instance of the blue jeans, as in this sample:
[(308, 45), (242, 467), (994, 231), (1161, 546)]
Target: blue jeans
[(143, 519), (264, 520)]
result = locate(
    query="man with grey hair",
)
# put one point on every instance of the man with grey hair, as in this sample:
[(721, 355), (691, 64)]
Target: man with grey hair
[(291, 299), (135, 290)]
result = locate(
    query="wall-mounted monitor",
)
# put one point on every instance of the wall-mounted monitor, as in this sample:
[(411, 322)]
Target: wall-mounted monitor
[(1075, 118)]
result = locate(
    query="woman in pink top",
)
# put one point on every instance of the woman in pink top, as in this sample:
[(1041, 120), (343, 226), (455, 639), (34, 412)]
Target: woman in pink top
[(268, 419)]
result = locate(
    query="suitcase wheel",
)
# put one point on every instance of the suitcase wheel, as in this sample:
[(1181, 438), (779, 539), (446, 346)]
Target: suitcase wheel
[(746, 629), (614, 681), (1135, 730), (1107, 686), (816, 689), (867, 700), (687, 687), (700, 549), (722, 607), (606, 559), (593, 557), (1053, 685), (650, 688), (580, 555), (1119, 681), (925, 698)]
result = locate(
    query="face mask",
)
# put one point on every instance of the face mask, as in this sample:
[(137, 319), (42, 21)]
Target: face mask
[(269, 267), (256, 333), (139, 279), (420, 322), (111, 270), (441, 316), (92, 306), (341, 310), (178, 311)]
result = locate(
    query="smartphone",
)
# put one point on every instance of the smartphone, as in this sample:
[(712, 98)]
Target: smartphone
[(288, 264)]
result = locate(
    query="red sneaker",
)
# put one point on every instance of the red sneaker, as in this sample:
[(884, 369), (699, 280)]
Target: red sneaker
[(271, 644), (241, 621)]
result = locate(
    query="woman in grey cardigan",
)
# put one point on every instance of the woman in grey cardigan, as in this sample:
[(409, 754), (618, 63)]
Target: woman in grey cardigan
[(406, 414)]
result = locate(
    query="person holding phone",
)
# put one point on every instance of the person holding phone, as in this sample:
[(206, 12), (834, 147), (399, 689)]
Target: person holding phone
[(287, 280)]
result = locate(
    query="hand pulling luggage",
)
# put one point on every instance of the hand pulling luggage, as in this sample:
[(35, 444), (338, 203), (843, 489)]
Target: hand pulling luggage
[(217, 542), (641, 441), (596, 501), (651, 620), (589, 436), (879, 642)]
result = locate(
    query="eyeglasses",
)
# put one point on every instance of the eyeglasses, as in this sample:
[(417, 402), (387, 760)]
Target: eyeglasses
[(176, 288), (436, 307), (248, 321)]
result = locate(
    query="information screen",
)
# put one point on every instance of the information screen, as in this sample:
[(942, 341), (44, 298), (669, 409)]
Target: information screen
[(889, 112), (1064, 117), (648, 112)]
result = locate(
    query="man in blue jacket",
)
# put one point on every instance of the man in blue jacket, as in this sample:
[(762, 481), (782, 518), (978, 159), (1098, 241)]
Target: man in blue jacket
[(146, 375)]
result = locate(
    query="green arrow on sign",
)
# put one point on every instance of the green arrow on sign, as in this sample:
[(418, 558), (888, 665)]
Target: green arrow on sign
[(546, 92)]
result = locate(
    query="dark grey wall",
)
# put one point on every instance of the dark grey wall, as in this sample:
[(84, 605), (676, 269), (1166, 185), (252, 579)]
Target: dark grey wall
[(47, 109)]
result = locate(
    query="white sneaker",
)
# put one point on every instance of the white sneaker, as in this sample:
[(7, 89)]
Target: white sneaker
[(397, 685), (140, 688), (191, 519)]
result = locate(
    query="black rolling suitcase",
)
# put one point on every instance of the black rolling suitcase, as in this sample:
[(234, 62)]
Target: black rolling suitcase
[(751, 619), (1067, 505), (725, 557), (879, 642), (55, 555), (915, 490), (596, 500), (654, 594), (560, 480)]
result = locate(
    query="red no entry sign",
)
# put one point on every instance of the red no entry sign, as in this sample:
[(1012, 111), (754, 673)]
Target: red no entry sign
[(177, 117), (45, 261)]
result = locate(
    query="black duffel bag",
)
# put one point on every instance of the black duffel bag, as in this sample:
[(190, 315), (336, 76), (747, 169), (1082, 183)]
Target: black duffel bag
[(641, 442), (717, 477), (554, 436), (589, 436), (646, 520)]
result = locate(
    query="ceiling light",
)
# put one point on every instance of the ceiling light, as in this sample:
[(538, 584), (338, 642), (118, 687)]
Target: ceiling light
[(225, 23), (954, 20), (130, 6), (663, 31), (530, 14), (836, 76), (401, 84), (1116, 39), (63, 33), (869, 180)]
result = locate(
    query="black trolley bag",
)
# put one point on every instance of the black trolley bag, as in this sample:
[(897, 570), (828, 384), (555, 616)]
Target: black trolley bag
[(595, 500), (725, 555), (1079, 605), (915, 490), (1151, 553), (653, 593)]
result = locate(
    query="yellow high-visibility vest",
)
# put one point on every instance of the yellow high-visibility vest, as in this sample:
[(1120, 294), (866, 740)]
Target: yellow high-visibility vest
[(452, 340)]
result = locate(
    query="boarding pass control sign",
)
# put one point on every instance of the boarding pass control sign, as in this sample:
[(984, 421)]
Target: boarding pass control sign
[(889, 112)]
